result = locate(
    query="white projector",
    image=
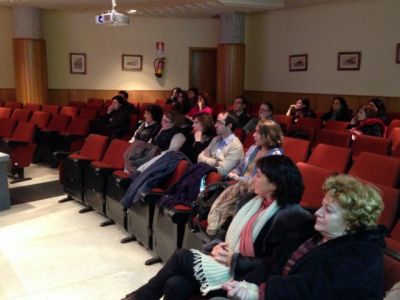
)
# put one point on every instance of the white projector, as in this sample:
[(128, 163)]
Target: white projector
[(112, 18)]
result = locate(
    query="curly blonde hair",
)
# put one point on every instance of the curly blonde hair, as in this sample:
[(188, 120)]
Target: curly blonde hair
[(361, 202), (271, 132)]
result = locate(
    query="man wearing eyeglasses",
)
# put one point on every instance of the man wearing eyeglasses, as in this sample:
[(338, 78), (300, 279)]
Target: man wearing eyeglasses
[(225, 150)]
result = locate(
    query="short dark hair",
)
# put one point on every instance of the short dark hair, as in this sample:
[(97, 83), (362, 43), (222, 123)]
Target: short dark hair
[(380, 105), (306, 103), (119, 99), (243, 98), (194, 90), (124, 94), (156, 112), (281, 171), (230, 119)]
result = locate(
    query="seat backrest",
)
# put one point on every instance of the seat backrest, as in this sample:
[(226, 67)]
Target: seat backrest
[(309, 122), (94, 147), (59, 123), (7, 126), (21, 115), (390, 198), (40, 118), (296, 149), (71, 111), (304, 132), (249, 140), (51, 108), (98, 101), (330, 157), (78, 104), (240, 134), (88, 113), (377, 168), (313, 178), (217, 108), (114, 155), (373, 144), (79, 126), (395, 138), (5, 112), (336, 125), (13, 104), (133, 121), (283, 120), (32, 107), (333, 137), (393, 124), (24, 132)]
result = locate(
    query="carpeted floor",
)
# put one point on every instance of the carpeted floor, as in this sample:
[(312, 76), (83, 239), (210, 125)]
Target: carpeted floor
[(35, 192)]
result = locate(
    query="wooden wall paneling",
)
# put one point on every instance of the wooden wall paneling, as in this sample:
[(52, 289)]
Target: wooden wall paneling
[(8, 95), (152, 96), (393, 104), (59, 97), (322, 103)]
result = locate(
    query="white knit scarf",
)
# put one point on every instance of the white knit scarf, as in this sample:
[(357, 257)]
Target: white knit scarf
[(210, 273)]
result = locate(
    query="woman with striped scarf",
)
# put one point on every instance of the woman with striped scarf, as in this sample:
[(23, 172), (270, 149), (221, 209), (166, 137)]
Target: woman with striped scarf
[(258, 231)]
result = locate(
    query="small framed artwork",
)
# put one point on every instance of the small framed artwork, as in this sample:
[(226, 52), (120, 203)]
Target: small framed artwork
[(349, 61), (398, 54), (77, 63), (298, 62), (132, 62)]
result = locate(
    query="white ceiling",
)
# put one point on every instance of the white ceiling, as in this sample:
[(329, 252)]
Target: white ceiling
[(164, 8)]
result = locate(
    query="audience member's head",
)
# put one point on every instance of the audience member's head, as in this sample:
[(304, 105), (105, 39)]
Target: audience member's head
[(175, 91), (202, 100), (124, 95), (239, 105), (268, 134), (117, 102), (265, 110), (377, 105), (193, 93), (203, 122), (171, 119), (226, 123), (154, 113), (339, 104)]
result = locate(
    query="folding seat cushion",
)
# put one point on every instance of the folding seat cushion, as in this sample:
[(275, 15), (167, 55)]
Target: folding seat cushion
[(296, 149), (97, 171), (313, 178), (336, 125), (32, 107), (73, 166), (372, 144), (377, 168), (7, 127), (51, 108), (21, 115), (330, 157), (5, 112), (333, 137)]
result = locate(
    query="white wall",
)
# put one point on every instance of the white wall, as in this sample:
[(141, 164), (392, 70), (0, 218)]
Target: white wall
[(369, 26), (7, 76), (67, 32)]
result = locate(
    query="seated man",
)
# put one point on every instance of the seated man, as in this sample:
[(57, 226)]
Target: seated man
[(225, 150), (239, 109)]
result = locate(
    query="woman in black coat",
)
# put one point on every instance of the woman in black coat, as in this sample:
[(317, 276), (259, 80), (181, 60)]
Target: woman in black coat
[(259, 228), (339, 111), (343, 260)]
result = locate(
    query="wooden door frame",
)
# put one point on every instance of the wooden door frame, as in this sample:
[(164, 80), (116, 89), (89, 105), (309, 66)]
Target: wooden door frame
[(191, 49)]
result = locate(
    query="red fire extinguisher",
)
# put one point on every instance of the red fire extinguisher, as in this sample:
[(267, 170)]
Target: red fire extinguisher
[(159, 66)]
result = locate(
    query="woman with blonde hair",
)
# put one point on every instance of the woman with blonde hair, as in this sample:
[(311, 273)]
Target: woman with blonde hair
[(342, 260)]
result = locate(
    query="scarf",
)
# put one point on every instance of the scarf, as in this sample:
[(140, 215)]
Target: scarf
[(207, 270)]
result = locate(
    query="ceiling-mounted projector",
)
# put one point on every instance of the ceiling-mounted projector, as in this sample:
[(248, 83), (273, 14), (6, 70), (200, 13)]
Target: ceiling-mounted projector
[(112, 17)]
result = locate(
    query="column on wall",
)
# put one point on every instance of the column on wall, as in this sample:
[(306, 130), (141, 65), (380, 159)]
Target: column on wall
[(231, 57), (29, 56)]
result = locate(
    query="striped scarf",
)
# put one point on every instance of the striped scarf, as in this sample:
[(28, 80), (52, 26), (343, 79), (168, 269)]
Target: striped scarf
[(210, 273)]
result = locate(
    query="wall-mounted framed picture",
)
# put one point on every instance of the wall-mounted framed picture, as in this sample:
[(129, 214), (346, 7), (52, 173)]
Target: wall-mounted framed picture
[(77, 63), (398, 54), (132, 62), (298, 62), (349, 61)]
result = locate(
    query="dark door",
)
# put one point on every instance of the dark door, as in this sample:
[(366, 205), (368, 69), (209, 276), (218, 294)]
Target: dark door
[(203, 70)]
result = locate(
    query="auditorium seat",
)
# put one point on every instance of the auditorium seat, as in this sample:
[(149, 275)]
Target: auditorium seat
[(72, 170), (296, 149), (330, 157), (13, 104), (88, 113), (313, 178), (372, 144), (391, 270), (249, 140), (285, 121), (77, 104), (77, 129), (71, 111), (393, 124), (5, 112), (40, 118), (377, 168), (240, 134), (333, 137), (51, 108), (336, 125), (97, 171), (21, 115), (395, 138), (32, 107), (7, 126), (140, 215)]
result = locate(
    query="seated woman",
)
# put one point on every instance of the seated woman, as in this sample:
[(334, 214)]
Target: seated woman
[(258, 230), (118, 117), (202, 106), (203, 132), (268, 139), (339, 111), (151, 125), (174, 96), (377, 105), (170, 137), (365, 122), (265, 112), (342, 260), (302, 108)]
